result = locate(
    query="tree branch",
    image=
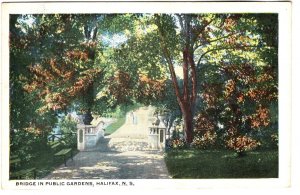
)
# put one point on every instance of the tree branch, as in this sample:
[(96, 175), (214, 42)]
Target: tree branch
[(94, 38), (226, 36), (222, 48), (201, 30), (194, 78), (169, 60), (214, 40), (185, 74)]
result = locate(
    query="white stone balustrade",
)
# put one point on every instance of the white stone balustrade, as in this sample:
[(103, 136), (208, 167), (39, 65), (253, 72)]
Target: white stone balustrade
[(157, 137), (89, 135)]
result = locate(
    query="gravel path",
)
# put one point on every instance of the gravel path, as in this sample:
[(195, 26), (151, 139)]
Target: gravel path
[(122, 155)]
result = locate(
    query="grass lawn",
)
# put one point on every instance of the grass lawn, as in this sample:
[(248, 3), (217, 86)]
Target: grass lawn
[(114, 126), (221, 164)]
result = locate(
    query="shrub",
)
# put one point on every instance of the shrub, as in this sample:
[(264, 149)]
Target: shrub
[(242, 144), (68, 128), (25, 144), (203, 123), (176, 143), (205, 140)]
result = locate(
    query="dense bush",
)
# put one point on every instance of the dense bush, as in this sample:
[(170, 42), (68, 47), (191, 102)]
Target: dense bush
[(204, 140), (26, 145), (176, 143), (205, 136), (242, 144)]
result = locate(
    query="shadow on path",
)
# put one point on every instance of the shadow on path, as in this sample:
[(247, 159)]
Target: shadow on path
[(113, 164)]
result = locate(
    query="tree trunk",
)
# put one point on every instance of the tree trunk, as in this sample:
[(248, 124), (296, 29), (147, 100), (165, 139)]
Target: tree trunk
[(187, 121), (187, 98)]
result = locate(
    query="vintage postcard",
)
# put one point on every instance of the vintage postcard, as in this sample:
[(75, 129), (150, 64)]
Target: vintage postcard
[(145, 95)]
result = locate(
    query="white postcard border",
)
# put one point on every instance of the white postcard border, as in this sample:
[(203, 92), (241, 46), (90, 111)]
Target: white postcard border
[(282, 8)]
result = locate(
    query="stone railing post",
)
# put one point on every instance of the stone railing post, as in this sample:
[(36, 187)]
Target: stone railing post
[(89, 135), (157, 137), (80, 137)]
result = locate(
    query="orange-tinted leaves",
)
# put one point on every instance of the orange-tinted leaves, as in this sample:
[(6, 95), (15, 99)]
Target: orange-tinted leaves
[(260, 118), (77, 55)]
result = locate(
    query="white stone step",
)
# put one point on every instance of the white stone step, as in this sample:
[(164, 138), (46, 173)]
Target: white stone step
[(125, 144)]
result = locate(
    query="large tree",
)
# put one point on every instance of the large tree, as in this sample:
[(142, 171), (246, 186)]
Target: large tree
[(193, 41), (80, 60)]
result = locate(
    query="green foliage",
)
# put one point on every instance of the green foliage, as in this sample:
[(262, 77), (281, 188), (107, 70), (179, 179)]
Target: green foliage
[(42, 160), (25, 144), (168, 105), (67, 125), (68, 129), (115, 112)]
